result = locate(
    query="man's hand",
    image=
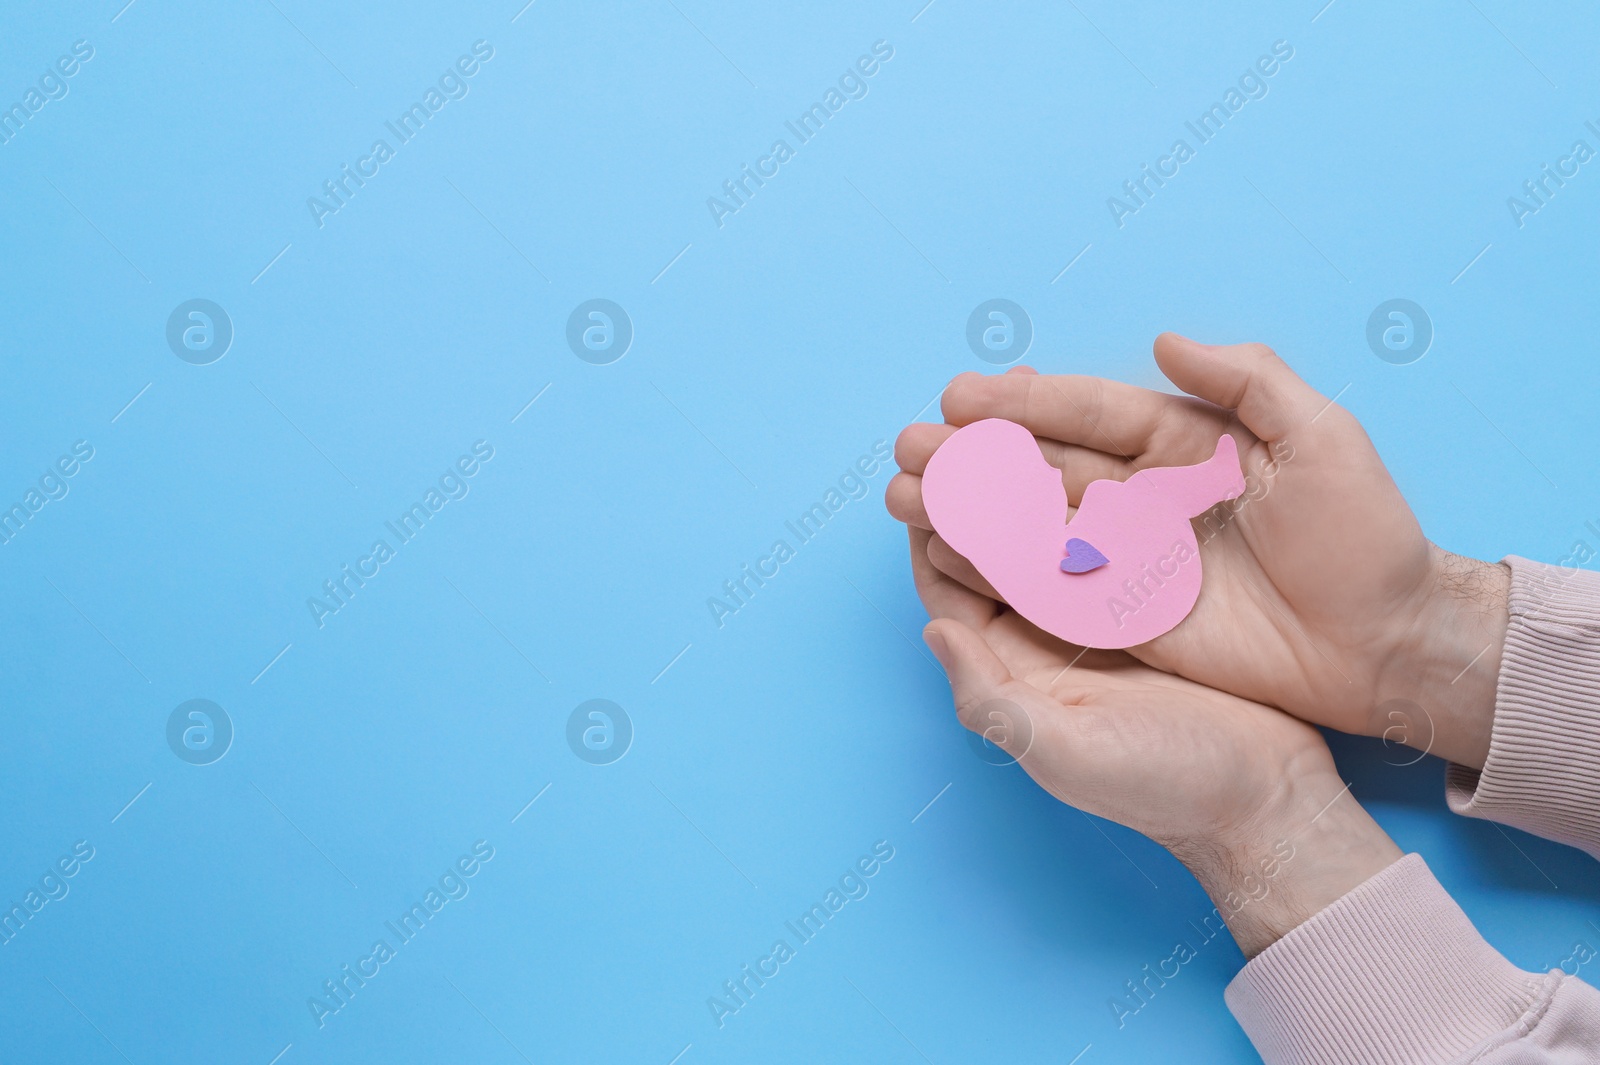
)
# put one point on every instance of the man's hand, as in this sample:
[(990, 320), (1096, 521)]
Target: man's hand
[(1321, 594), (1245, 796)]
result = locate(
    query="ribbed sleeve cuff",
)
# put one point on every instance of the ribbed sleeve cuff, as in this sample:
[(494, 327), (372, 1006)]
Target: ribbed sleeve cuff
[(1392, 972), (1543, 770)]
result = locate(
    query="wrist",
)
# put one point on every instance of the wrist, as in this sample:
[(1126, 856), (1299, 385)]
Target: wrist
[(1446, 663), (1302, 851)]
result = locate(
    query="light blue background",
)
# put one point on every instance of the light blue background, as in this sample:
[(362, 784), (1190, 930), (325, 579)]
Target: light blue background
[(776, 350)]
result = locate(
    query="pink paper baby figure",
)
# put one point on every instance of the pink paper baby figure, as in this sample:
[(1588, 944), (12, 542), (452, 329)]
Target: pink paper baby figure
[(993, 497)]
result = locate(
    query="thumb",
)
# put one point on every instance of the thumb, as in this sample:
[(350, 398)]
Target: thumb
[(1249, 378), (989, 700)]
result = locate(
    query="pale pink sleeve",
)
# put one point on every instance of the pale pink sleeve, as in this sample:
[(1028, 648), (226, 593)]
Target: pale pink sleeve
[(1394, 973), (1543, 772)]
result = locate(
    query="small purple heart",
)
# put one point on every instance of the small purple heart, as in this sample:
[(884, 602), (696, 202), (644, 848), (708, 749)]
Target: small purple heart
[(1082, 556)]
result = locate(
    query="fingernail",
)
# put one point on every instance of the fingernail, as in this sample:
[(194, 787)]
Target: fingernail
[(1023, 369), (936, 644), (1208, 348)]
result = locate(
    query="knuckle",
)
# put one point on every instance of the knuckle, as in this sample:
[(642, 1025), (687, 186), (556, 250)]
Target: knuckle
[(900, 495), (999, 719), (960, 392), (1260, 354), (1094, 398)]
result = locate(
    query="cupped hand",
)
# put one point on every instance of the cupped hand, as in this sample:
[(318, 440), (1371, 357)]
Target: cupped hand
[(1321, 594), (1245, 796)]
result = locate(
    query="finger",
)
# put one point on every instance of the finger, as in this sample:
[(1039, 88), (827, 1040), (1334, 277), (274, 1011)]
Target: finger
[(941, 595), (976, 674), (956, 567), (1099, 672), (1034, 655), (1022, 369), (1078, 465), (1081, 466), (903, 498), (1031, 653), (916, 444), (1092, 412), (991, 701), (1250, 378)]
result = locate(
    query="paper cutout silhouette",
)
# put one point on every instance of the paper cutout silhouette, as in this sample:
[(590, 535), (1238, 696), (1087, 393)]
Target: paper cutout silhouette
[(994, 498)]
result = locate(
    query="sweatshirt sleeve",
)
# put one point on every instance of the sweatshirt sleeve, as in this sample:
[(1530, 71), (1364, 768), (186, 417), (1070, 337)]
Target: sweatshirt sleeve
[(1543, 770), (1394, 973)]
